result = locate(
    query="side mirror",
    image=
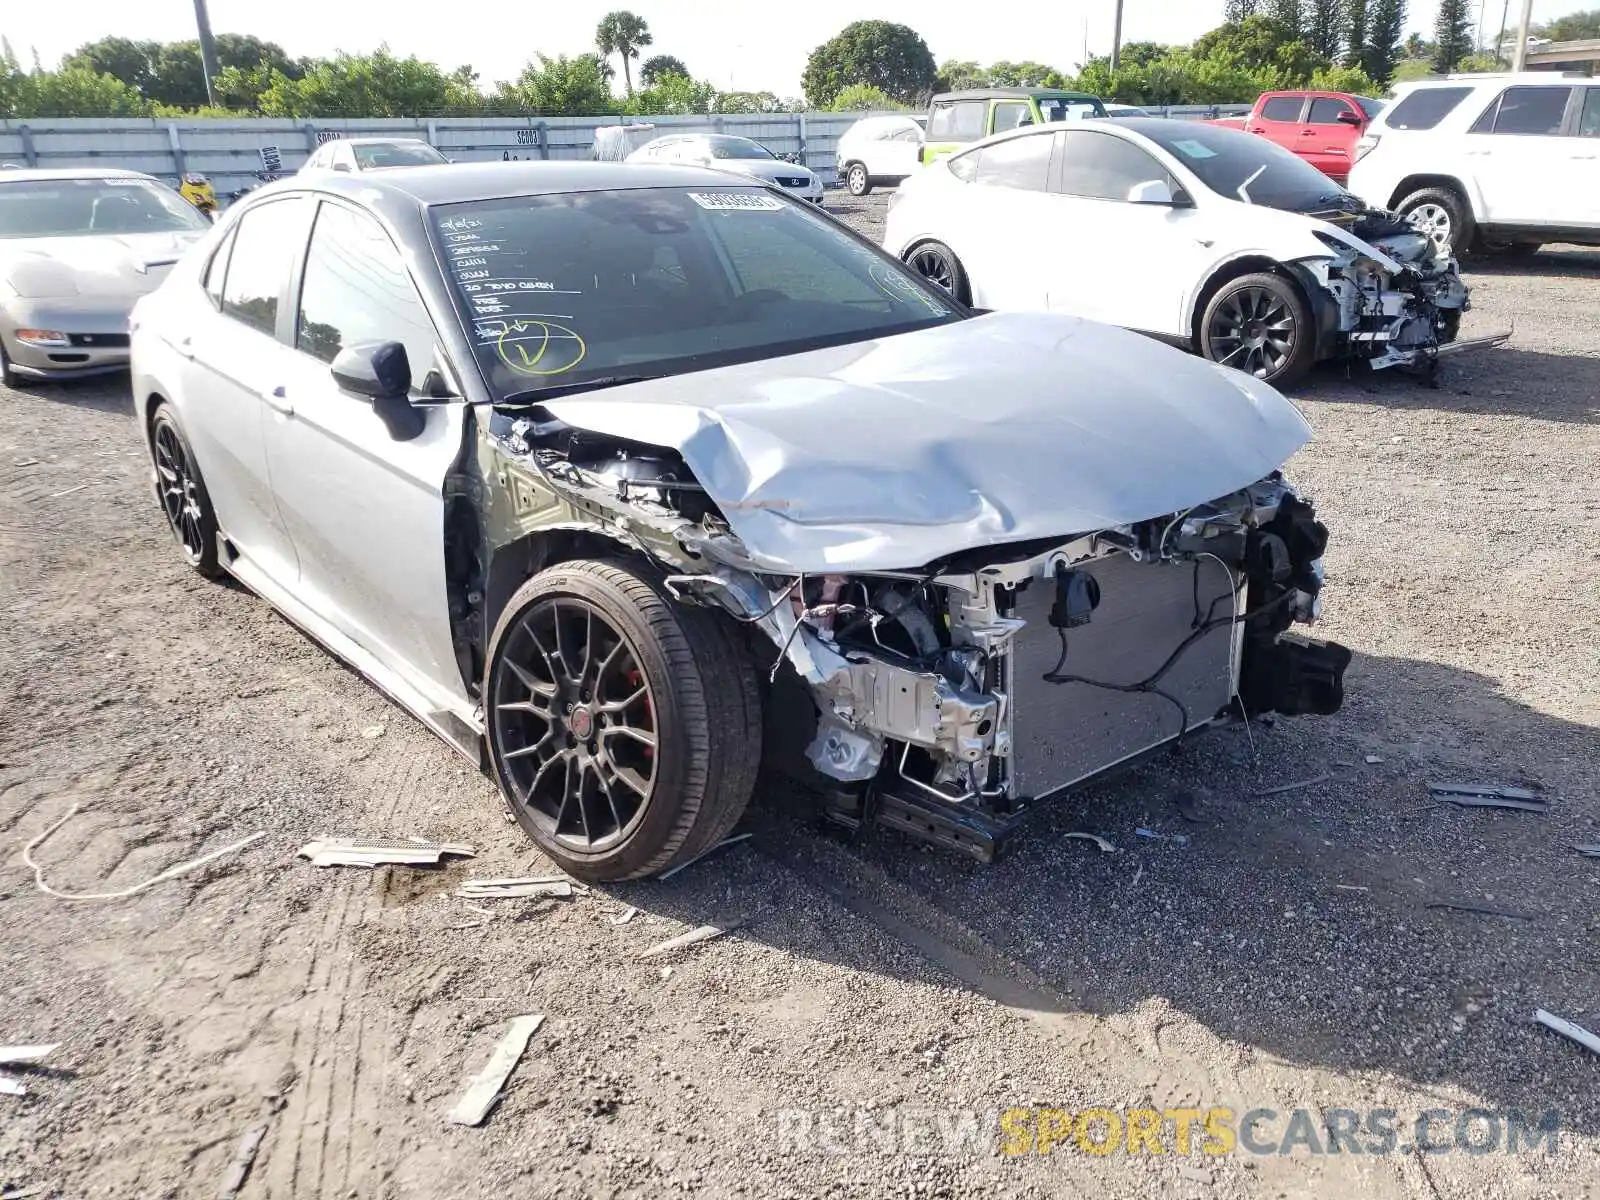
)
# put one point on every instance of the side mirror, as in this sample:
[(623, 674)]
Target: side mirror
[(1151, 191), (1346, 117), (383, 374)]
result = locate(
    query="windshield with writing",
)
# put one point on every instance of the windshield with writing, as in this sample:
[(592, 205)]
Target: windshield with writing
[(1243, 166), (585, 287), (36, 208)]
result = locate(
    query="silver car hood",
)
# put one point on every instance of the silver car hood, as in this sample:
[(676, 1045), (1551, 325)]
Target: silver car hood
[(97, 266), (770, 170), (892, 453)]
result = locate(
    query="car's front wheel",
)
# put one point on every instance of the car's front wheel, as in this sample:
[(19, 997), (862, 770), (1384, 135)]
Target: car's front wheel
[(1259, 324), (937, 263), (1442, 214), (183, 496), (857, 180), (624, 728)]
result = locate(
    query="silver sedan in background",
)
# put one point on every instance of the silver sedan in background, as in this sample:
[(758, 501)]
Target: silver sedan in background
[(77, 248), (739, 155)]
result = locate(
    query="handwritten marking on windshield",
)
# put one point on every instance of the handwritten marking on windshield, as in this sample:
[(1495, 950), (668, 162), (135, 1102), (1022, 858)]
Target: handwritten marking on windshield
[(524, 344)]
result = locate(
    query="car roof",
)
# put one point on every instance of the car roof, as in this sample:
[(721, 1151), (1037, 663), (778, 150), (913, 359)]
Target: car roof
[(73, 173), (464, 182), (1013, 93)]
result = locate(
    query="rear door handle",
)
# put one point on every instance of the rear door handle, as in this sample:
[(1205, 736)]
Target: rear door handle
[(277, 400)]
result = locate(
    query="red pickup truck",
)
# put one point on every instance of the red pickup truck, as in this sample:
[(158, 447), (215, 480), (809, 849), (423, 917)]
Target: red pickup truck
[(1321, 127)]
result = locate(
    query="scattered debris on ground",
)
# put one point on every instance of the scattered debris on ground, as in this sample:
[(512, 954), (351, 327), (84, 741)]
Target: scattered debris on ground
[(170, 873), (738, 837), (21, 1056), (625, 916), (1490, 795), (1592, 850), (244, 1154), (1177, 839), (1105, 846), (1487, 909), (521, 887), (372, 731), (704, 934), (1296, 786), (1374, 759), (1567, 1029), (376, 852), (486, 1086)]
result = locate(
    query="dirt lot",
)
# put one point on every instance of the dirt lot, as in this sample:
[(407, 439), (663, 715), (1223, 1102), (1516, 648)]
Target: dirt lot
[(1285, 957)]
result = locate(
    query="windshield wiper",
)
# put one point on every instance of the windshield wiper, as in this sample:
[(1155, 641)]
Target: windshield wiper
[(551, 391)]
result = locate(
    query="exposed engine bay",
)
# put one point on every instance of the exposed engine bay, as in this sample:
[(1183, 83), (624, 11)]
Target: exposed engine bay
[(945, 697), (1397, 296)]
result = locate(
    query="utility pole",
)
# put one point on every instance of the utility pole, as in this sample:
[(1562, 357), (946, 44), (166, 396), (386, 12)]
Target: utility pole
[(1116, 38), (1500, 45), (1477, 45), (208, 50), (1519, 61)]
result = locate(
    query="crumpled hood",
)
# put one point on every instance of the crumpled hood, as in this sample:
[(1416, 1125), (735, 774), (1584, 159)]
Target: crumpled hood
[(1011, 426), (100, 266)]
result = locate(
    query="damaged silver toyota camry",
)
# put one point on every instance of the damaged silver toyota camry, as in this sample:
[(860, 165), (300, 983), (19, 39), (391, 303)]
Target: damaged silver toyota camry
[(631, 481)]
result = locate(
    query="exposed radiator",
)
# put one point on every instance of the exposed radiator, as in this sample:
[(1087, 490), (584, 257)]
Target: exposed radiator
[(1065, 732)]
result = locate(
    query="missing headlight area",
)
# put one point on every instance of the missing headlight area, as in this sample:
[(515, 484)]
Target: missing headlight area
[(945, 698)]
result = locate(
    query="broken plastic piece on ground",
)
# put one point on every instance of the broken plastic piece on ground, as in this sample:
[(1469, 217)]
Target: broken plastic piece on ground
[(1181, 839), (1290, 787), (378, 852), (704, 934), (1567, 1029), (1592, 850), (739, 837), (625, 916), (170, 873), (1105, 846), (244, 1153), (519, 887), (1479, 908), (486, 1085), (10, 1087), (26, 1055), (1489, 795), (1373, 759)]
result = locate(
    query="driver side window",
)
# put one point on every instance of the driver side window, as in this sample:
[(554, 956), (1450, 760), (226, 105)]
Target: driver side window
[(1102, 166)]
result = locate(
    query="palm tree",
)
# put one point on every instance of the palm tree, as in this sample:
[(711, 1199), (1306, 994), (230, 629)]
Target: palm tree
[(622, 33)]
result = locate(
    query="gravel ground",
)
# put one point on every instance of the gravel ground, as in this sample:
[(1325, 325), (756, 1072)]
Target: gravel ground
[(1284, 957)]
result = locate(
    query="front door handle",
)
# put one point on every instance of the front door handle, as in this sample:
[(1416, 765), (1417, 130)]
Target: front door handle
[(277, 400)]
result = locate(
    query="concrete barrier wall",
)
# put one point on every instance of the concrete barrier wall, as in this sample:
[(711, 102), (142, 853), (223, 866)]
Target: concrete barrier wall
[(231, 152)]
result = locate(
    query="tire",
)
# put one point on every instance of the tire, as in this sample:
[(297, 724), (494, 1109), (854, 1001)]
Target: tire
[(8, 377), (181, 492), (938, 264), (1444, 215), (564, 743), (1245, 314), (857, 180)]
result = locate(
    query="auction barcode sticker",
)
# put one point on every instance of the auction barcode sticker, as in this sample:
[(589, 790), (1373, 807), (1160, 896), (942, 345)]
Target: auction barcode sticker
[(732, 201)]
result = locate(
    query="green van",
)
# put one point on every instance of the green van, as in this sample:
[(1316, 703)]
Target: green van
[(956, 118)]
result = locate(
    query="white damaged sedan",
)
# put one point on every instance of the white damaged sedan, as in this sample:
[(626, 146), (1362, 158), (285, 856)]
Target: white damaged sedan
[(1210, 238), (632, 480)]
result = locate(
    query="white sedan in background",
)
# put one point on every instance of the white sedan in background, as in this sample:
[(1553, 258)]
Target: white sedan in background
[(739, 155), (1216, 240)]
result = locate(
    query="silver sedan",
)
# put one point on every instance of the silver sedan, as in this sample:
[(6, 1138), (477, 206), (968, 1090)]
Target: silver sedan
[(77, 249)]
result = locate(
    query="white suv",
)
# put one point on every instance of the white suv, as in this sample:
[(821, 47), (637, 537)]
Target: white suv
[(1488, 162)]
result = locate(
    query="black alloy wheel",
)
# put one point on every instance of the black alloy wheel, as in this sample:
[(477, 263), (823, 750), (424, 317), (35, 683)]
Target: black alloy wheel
[(183, 495), (1259, 324)]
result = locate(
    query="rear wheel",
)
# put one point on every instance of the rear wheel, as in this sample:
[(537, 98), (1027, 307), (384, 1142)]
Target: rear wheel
[(1259, 324), (1443, 215), (624, 728), (937, 263), (183, 497), (857, 180)]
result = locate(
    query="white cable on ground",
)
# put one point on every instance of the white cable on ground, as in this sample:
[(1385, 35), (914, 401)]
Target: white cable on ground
[(169, 873)]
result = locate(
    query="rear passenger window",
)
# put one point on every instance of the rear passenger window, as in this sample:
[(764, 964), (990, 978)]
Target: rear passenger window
[(1022, 162), (1325, 111), (217, 271), (1425, 108), (266, 243), (1526, 110), (1589, 121), (957, 121), (1011, 115), (1281, 108)]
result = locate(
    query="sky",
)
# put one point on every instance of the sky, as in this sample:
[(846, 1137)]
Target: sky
[(763, 48)]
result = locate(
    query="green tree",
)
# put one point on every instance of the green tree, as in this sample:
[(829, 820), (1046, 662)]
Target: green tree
[(122, 58), (622, 33), (880, 54), (1452, 36), (674, 94), (658, 66), (1288, 14), (1355, 32), (373, 85), (562, 87), (1382, 51), (1142, 54), (1259, 44), (748, 102), (956, 76), (170, 73), (1412, 70), (863, 97), (1325, 27), (1574, 27), (1024, 74), (70, 92), (1234, 11), (1417, 46), (1345, 79)]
